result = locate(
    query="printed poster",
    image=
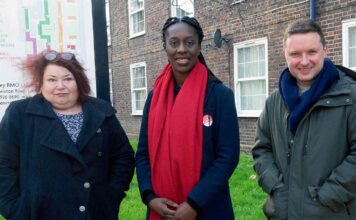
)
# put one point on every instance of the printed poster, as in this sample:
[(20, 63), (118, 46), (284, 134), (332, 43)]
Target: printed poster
[(28, 27)]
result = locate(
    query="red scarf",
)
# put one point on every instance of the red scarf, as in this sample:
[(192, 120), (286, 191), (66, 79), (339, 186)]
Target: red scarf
[(175, 134)]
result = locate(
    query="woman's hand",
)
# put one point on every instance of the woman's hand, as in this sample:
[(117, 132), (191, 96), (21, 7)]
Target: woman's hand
[(185, 212), (163, 207)]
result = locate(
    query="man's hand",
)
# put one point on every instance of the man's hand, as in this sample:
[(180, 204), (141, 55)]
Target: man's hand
[(185, 212), (163, 207)]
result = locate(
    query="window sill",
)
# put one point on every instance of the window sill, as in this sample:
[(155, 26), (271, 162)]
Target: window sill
[(136, 114), (137, 35)]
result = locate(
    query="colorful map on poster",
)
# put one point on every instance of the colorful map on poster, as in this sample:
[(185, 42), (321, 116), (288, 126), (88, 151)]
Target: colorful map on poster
[(27, 27)]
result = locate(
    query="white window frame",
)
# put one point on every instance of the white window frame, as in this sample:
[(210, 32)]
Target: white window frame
[(131, 34), (346, 25), (174, 7), (111, 87), (245, 44), (237, 2), (133, 99)]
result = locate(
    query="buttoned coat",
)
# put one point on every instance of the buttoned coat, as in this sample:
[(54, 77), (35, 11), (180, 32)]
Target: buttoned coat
[(45, 175), (310, 175), (220, 154)]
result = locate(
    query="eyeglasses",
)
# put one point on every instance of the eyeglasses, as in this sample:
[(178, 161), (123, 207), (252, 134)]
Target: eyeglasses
[(53, 55)]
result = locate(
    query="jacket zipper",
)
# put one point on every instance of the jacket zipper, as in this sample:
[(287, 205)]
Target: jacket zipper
[(289, 139)]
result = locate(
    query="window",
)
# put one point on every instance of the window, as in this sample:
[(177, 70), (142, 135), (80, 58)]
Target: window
[(107, 13), (250, 74), (349, 43), (138, 87), (181, 8), (111, 86), (137, 17)]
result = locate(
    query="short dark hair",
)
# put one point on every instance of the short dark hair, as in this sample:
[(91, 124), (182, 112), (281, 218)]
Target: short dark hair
[(188, 20), (303, 26), (35, 65)]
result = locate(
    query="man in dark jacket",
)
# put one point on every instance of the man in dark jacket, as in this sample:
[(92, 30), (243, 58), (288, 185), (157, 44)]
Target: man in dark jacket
[(305, 150)]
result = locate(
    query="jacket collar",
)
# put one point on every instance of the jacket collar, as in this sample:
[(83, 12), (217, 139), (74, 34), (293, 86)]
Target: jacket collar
[(95, 112), (55, 137), (339, 94), (39, 106), (341, 87), (212, 81)]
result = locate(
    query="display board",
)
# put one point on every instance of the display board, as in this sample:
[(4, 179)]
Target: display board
[(28, 27)]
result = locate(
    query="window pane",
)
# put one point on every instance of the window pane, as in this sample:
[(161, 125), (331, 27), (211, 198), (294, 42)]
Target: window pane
[(241, 70), (139, 78), (352, 37), (252, 94), (136, 5), (183, 8), (247, 53), (180, 13), (254, 53), (352, 47), (240, 56), (251, 69), (251, 61), (139, 83), (352, 57), (262, 68), (261, 52), (108, 34), (140, 98), (138, 22)]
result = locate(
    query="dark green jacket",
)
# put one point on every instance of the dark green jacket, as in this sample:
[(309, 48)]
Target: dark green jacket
[(313, 174)]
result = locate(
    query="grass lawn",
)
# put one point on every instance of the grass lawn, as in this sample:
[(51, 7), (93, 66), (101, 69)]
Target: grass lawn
[(247, 197)]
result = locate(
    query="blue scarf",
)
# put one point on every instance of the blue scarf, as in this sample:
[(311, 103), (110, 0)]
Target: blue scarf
[(299, 105)]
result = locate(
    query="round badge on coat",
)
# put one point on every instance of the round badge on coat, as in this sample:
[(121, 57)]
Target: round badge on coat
[(207, 120)]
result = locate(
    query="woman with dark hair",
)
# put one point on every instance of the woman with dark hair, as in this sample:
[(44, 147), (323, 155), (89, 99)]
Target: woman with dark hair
[(63, 154), (189, 139)]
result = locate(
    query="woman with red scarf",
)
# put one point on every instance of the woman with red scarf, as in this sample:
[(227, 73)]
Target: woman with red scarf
[(189, 139)]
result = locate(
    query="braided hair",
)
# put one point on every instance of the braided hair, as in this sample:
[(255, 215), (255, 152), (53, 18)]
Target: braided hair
[(189, 21)]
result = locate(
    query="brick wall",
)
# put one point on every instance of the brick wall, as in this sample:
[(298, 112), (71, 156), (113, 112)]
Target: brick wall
[(126, 51), (251, 19)]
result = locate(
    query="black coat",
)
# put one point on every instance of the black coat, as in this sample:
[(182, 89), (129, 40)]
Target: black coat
[(44, 175)]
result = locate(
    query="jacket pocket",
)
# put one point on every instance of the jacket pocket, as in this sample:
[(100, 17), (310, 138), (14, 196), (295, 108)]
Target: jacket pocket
[(276, 206), (314, 209)]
